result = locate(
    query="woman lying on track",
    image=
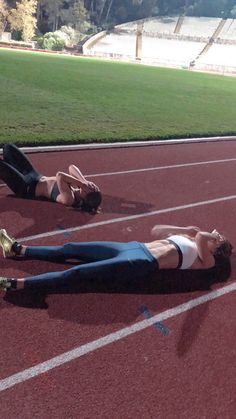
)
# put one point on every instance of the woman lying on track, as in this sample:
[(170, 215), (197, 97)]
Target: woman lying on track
[(69, 189), (174, 248)]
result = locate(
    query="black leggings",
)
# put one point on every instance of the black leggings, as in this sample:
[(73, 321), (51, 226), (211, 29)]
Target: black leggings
[(17, 172)]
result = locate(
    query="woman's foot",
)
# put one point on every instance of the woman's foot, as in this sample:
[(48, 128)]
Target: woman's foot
[(7, 243)]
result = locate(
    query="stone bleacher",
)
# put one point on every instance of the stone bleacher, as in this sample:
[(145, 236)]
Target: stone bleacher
[(219, 54), (163, 25), (127, 27), (228, 31), (115, 45), (171, 41), (199, 26), (179, 53)]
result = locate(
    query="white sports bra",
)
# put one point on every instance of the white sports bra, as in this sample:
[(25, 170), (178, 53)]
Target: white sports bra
[(187, 250)]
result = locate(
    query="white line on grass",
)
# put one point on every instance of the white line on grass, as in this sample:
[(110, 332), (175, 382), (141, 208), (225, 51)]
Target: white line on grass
[(129, 218), (124, 144), (87, 348)]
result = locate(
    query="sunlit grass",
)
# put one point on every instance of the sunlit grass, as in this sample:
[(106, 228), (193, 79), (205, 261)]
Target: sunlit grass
[(62, 99)]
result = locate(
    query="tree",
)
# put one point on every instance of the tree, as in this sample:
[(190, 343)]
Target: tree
[(233, 12), (3, 15), (211, 8), (80, 14), (53, 10), (23, 19), (106, 5), (83, 14)]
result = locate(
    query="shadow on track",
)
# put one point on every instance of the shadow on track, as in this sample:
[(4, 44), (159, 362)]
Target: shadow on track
[(167, 282), (32, 216), (118, 205), (97, 303), (194, 318), (193, 321)]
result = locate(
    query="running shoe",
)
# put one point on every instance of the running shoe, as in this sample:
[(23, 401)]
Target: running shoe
[(7, 242), (5, 284)]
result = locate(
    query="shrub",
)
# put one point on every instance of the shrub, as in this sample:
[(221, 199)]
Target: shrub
[(70, 34), (51, 41)]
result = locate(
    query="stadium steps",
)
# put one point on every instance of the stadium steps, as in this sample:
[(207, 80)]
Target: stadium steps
[(179, 24), (219, 28), (204, 51), (211, 40)]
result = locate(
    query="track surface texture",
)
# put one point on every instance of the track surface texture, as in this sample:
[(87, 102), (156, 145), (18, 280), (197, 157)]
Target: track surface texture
[(160, 349)]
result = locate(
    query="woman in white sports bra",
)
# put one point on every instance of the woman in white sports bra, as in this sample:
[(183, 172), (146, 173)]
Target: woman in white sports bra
[(188, 247), (174, 248)]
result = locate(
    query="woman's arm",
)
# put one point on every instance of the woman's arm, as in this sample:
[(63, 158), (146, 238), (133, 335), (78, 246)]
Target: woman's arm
[(64, 183), (162, 231), (205, 255), (76, 172), (69, 179), (85, 184)]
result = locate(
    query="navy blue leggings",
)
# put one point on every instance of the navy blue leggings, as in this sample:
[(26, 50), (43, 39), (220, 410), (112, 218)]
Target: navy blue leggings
[(100, 260)]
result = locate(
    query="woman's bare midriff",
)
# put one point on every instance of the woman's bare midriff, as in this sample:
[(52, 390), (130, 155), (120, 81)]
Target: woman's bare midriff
[(44, 186), (165, 253)]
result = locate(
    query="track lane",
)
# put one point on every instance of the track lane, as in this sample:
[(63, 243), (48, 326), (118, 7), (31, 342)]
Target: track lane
[(73, 314), (167, 188), (166, 373), (73, 310)]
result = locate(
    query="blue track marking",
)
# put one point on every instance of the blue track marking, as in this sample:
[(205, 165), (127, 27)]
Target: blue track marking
[(158, 325), (66, 232)]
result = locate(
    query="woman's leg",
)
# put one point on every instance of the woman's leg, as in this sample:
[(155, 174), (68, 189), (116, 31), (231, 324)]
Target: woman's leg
[(103, 269), (83, 251), (112, 269), (129, 263), (16, 158), (13, 178)]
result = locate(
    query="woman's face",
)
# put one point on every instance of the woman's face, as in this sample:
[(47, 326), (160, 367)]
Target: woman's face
[(216, 241)]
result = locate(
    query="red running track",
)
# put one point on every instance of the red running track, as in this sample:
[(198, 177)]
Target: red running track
[(183, 365)]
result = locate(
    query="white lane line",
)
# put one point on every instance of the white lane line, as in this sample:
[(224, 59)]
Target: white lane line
[(87, 348), (174, 166), (148, 169), (130, 217)]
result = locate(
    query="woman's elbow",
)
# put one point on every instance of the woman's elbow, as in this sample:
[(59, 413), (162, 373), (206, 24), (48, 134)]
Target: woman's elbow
[(73, 170), (155, 231), (58, 175)]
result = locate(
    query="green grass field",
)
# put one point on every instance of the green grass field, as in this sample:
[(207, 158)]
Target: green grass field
[(63, 99)]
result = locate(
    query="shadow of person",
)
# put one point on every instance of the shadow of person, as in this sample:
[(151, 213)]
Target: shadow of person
[(191, 326), (30, 215), (104, 301), (115, 204), (195, 317)]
